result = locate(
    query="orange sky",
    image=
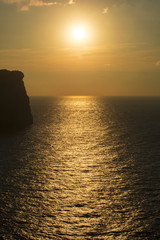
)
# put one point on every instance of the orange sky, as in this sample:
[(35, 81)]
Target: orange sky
[(119, 56)]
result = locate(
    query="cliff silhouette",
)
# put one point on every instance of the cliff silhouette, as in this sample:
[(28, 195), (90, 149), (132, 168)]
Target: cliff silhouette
[(15, 111)]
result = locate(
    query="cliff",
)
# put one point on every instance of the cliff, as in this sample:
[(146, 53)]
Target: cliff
[(15, 112)]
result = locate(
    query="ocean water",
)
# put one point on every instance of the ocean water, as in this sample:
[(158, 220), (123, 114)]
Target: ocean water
[(88, 168)]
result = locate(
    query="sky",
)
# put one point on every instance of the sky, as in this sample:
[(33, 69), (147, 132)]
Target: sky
[(116, 51)]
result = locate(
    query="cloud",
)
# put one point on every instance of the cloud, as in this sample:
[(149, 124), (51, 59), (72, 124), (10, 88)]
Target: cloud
[(105, 11), (71, 2), (141, 7), (24, 5), (40, 3)]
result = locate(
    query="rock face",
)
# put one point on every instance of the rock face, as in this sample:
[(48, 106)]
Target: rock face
[(15, 112)]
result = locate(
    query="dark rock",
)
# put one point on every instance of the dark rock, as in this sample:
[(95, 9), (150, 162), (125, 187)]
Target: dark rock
[(15, 112)]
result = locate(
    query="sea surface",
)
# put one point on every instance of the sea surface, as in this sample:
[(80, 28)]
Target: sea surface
[(87, 169)]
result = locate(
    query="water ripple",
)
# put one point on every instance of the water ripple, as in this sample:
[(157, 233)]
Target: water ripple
[(87, 169)]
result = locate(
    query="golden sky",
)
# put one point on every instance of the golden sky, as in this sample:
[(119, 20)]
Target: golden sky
[(83, 47)]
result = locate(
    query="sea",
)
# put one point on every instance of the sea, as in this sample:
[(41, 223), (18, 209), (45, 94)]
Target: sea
[(87, 169)]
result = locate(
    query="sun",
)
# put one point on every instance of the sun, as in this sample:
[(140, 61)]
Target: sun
[(78, 34)]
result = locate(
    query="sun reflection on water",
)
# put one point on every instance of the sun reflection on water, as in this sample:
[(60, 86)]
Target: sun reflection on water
[(84, 168)]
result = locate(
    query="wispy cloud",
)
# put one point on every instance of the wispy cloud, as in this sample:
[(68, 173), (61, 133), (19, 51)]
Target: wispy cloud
[(25, 5), (40, 3), (71, 2), (105, 11)]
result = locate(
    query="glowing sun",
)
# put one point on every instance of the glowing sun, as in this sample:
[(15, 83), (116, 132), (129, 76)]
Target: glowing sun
[(78, 34)]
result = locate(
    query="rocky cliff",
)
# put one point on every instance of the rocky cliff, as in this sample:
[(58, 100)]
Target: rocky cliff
[(15, 112)]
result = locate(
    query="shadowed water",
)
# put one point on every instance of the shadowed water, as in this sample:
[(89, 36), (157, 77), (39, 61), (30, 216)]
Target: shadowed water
[(89, 168)]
